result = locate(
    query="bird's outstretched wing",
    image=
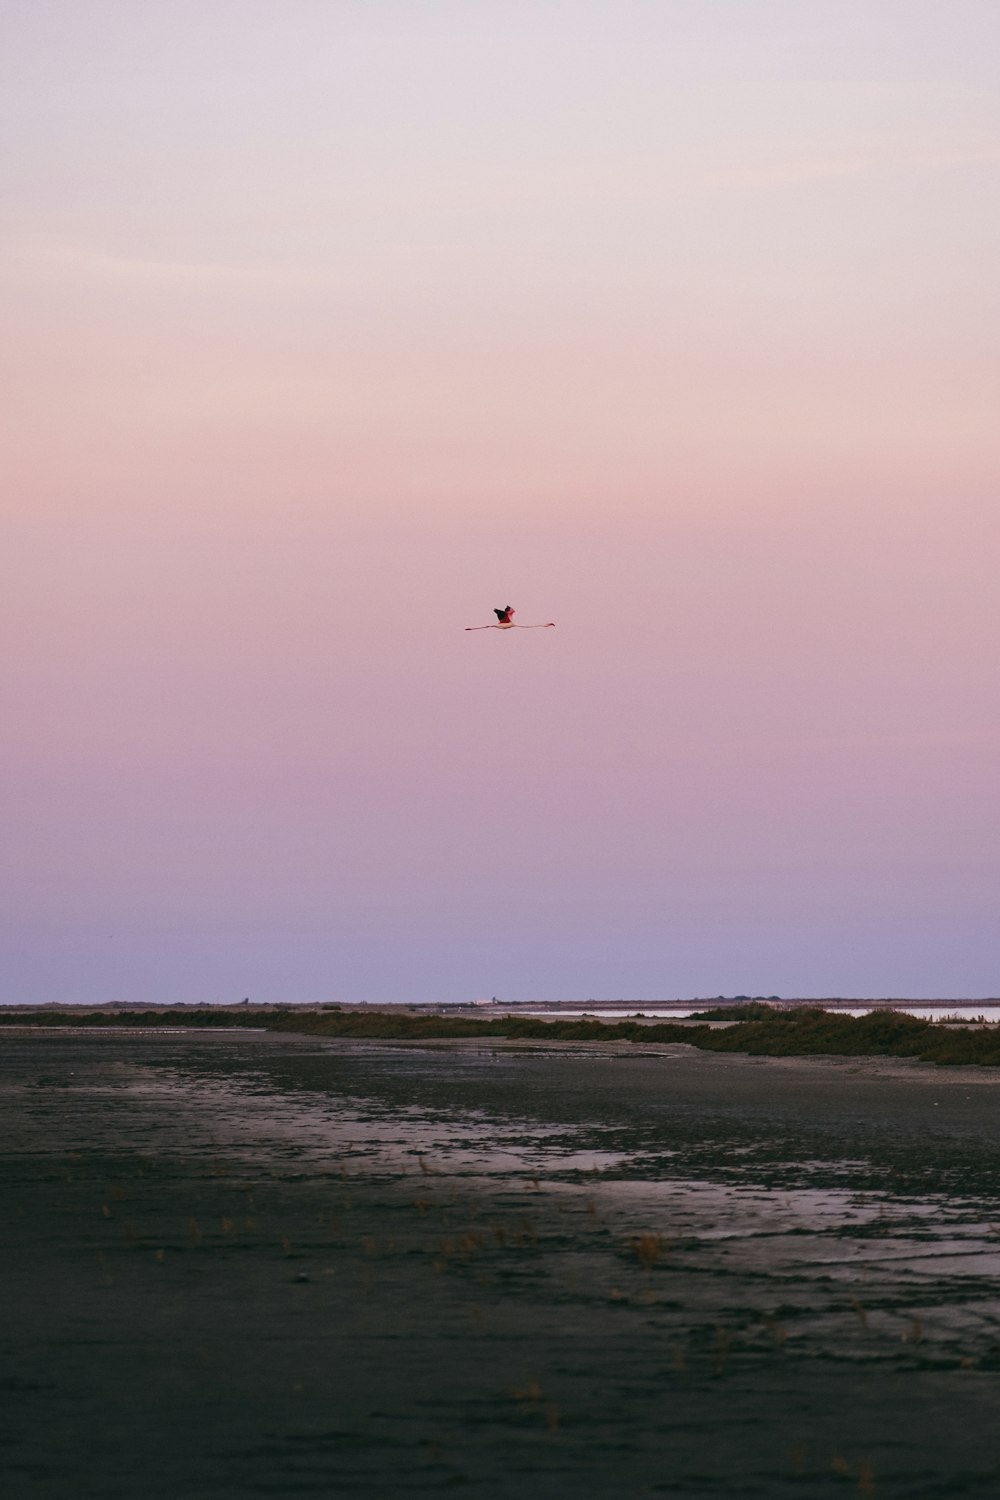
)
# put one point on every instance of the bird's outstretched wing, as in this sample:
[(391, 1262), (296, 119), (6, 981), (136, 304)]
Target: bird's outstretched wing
[(505, 621)]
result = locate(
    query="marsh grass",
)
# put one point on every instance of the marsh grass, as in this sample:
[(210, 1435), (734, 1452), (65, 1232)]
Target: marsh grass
[(648, 1249), (777, 1330), (758, 1028), (798, 1458), (722, 1348), (861, 1471), (532, 1401)]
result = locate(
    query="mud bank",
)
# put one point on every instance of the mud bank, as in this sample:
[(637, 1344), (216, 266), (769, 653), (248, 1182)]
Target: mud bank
[(256, 1264)]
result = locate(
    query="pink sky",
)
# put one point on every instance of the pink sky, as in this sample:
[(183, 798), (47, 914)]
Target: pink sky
[(329, 328)]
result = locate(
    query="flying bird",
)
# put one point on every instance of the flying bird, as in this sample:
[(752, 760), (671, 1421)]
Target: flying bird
[(505, 621)]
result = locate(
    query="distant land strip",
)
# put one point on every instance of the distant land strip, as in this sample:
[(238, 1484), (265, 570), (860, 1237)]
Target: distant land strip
[(758, 1029)]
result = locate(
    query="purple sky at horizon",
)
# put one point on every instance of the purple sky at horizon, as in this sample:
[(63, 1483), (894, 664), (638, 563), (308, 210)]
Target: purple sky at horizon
[(330, 327)]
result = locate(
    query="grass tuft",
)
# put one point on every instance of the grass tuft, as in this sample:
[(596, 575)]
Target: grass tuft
[(648, 1249)]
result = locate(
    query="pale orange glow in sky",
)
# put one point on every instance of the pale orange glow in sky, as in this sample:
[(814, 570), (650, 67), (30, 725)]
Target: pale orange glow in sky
[(330, 328)]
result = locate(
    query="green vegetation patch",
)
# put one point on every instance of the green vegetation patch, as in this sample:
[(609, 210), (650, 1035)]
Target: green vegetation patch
[(757, 1029), (188, 1016), (881, 1033), (775, 1033), (778, 1033)]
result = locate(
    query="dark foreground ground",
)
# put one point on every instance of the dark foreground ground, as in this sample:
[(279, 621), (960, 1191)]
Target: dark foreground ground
[(240, 1265)]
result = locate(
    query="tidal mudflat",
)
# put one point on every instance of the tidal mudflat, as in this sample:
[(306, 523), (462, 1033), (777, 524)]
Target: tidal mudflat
[(258, 1264)]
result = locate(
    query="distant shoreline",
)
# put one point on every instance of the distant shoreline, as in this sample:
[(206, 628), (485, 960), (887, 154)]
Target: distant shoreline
[(759, 1028), (510, 1007)]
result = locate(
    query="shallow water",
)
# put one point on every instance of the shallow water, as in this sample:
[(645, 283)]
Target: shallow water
[(270, 1265), (924, 1011)]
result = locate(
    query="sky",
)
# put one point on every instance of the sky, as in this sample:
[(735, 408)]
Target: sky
[(330, 326)]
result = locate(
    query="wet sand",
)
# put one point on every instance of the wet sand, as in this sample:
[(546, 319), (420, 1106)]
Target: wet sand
[(253, 1264)]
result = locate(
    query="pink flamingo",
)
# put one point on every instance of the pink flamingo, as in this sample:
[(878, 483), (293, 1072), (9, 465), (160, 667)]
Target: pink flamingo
[(505, 622)]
